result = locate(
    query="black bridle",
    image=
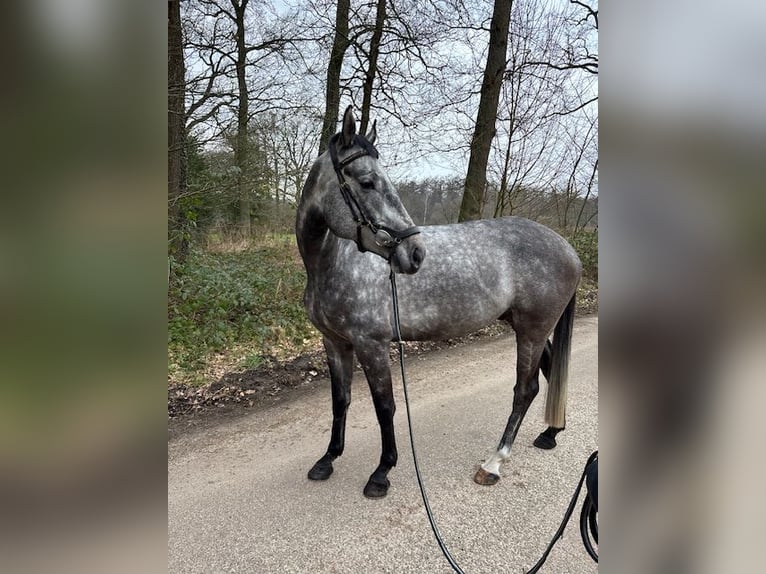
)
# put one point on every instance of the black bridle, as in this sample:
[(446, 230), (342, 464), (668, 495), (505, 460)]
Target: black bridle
[(384, 236)]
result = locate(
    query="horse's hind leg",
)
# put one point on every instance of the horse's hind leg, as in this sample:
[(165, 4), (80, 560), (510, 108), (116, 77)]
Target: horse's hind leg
[(526, 389), (373, 356), (340, 358)]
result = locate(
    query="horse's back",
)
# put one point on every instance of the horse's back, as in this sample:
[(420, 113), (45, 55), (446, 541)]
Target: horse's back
[(520, 248), (478, 271)]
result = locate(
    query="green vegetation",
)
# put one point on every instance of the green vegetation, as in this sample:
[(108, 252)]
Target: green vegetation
[(233, 306), (586, 243)]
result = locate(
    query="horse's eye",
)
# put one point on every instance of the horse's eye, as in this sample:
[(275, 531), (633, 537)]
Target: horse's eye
[(367, 184)]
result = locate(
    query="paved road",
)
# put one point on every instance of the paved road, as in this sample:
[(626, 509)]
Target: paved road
[(239, 499)]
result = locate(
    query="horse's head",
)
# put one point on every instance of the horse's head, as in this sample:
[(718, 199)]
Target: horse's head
[(359, 202)]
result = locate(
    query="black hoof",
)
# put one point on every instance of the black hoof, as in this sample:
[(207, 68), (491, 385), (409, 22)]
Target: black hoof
[(545, 442), (547, 438), (376, 489), (320, 471)]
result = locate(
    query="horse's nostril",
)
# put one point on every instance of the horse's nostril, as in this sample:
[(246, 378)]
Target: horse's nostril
[(417, 256)]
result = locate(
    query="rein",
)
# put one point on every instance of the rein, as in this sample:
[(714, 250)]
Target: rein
[(384, 236), (587, 517)]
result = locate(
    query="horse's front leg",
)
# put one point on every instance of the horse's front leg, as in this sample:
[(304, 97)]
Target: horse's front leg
[(373, 355), (340, 359)]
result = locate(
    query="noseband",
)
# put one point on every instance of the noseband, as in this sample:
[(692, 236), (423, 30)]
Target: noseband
[(384, 236)]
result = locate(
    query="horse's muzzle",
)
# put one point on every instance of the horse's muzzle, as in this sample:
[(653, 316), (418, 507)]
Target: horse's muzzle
[(409, 255)]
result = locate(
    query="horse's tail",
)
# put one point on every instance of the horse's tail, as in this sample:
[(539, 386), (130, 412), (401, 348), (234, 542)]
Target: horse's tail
[(556, 400)]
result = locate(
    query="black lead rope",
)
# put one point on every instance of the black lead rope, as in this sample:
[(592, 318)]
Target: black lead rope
[(430, 514), (584, 516), (589, 511)]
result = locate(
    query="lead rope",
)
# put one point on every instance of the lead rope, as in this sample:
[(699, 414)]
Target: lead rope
[(567, 515), (397, 332)]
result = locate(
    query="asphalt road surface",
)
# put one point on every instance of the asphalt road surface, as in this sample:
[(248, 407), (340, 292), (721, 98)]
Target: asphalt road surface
[(239, 499)]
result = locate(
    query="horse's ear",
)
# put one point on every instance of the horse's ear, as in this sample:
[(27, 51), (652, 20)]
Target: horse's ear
[(373, 134), (349, 127)]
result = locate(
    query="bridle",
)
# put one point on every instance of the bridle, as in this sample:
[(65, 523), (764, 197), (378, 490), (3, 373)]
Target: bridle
[(384, 235)]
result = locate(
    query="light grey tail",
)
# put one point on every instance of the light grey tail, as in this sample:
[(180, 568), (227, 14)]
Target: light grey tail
[(556, 400)]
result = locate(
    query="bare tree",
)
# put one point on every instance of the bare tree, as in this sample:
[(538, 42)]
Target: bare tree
[(484, 131), (235, 58), (334, 68), (531, 96), (582, 172), (289, 143), (298, 144), (392, 65), (411, 65), (205, 41), (241, 147), (372, 64), (576, 53)]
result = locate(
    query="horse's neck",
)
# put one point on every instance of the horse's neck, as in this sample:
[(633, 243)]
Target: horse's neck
[(313, 237), (315, 240)]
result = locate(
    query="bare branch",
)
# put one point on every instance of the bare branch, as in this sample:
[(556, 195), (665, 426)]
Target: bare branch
[(591, 11)]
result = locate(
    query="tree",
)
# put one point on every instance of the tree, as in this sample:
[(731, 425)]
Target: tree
[(389, 62), (235, 57), (583, 171), (334, 68), (207, 93), (484, 130), (177, 239), (241, 147), (576, 54), (296, 145), (372, 64), (398, 61), (529, 122)]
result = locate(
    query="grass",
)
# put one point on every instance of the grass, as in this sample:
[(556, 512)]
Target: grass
[(232, 304)]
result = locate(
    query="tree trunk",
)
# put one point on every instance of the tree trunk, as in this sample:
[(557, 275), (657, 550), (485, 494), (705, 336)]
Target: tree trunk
[(503, 195), (372, 68), (484, 132), (578, 225), (177, 239), (276, 174), (332, 100), (241, 156)]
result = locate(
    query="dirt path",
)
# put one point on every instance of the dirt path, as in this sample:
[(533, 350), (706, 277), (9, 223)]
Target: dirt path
[(239, 499)]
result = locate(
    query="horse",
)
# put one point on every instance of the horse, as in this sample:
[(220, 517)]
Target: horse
[(351, 227)]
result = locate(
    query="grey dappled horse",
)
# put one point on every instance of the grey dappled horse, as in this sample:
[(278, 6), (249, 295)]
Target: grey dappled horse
[(351, 222)]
